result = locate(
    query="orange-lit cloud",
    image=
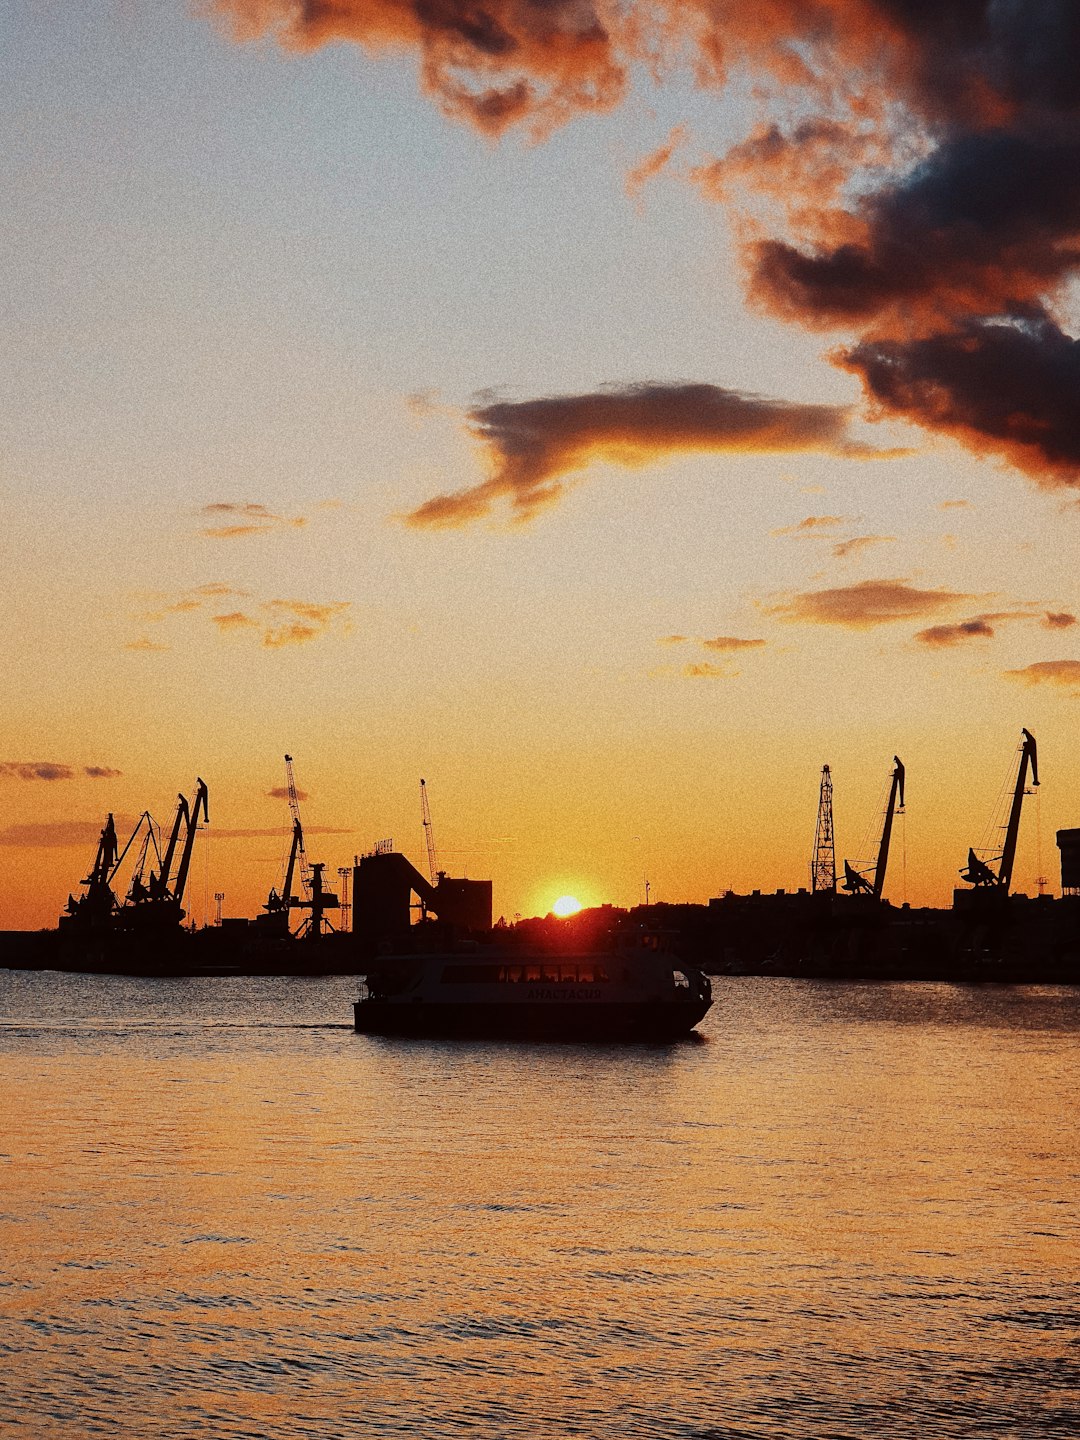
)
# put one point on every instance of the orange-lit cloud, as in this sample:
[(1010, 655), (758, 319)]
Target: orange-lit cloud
[(1065, 673), (915, 179), (955, 505), (731, 642), (145, 643), (705, 670), (50, 770), (507, 62), (533, 446), (234, 620), (673, 640), (655, 163), (983, 626), (947, 635), (865, 604), (277, 622), (239, 518)]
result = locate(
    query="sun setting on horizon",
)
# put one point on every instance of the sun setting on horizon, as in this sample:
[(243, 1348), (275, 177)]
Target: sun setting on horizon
[(566, 905)]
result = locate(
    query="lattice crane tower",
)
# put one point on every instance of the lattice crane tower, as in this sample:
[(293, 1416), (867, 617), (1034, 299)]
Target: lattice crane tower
[(823, 867)]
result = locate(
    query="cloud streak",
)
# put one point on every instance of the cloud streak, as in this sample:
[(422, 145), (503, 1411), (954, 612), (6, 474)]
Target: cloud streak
[(50, 770), (1062, 673), (867, 604), (533, 447)]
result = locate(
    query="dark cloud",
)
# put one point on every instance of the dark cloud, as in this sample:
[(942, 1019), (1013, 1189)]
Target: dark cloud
[(280, 792), (946, 635), (1058, 620), (533, 446), (1005, 387), (926, 197), (866, 604), (101, 772), (1064, 673)]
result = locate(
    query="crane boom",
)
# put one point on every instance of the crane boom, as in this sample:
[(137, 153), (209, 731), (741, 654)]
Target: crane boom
[(896, 792), (978, 872), (429, 834), (200, 802), (298, 829), (1028, 755)]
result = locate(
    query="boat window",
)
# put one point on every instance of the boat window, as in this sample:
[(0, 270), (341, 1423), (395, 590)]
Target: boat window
[(470, 974), (532, 974), (510, 974), (682, 981), (550, 974)]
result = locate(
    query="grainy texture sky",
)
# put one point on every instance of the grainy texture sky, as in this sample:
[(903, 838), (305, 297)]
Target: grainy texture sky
[(610, 440)]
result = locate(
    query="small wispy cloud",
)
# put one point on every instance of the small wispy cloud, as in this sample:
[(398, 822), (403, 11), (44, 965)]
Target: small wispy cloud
[(1058, 620), (813, 526), (732, 642), (145, 643), (280, 792), (278, 622), (655, 163), (233, 519), (844, 549), (673, 640), (705, 670), (955, 505)]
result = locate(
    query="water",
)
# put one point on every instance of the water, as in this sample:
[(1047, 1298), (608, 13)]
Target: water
[(847, 1211)]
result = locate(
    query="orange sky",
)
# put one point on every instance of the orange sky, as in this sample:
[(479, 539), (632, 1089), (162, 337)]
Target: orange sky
[(613, 476)]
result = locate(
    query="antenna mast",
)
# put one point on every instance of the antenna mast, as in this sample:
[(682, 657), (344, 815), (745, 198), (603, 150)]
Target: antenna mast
[(823, 867)]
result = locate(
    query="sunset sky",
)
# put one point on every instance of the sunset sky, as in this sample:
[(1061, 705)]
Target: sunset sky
[(608, 414)]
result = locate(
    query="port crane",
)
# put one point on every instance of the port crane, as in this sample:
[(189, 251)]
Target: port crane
[(153, 901), (823, 866), (429, 834), (315, 899), (979, 872), (857, 883), (299, 853)]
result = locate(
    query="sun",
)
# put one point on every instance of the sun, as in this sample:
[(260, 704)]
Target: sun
[(566, 905)]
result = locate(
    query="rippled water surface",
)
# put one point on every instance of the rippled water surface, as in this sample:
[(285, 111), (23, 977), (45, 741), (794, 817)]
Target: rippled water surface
[(845, 1211)]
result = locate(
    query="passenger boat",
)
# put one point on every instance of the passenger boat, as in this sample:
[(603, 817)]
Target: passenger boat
[(640, 994)]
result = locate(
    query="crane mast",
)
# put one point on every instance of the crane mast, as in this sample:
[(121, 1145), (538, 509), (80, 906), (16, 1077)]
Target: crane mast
[(298, 830), (823, 866), (429, 834)]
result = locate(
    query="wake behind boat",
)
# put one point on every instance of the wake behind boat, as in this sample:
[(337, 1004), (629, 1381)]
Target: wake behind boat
[(640, 994)]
